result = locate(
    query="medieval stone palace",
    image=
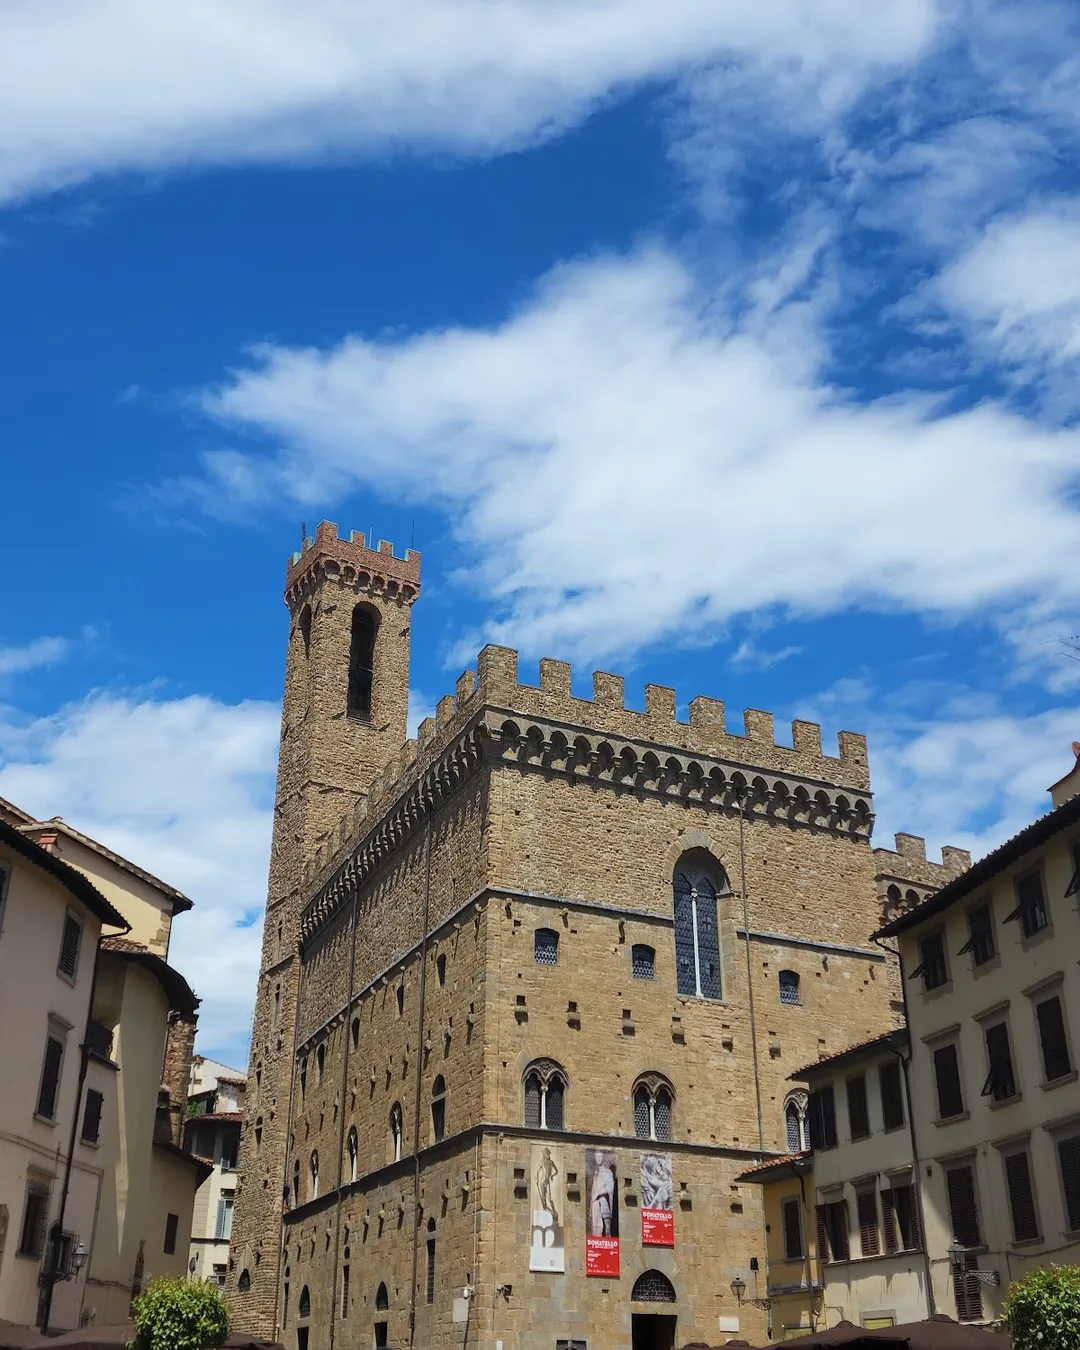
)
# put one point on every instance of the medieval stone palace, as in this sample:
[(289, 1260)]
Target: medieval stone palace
[(531, 988)]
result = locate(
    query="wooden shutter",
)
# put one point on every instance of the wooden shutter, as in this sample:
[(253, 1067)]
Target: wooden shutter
[(1025, 1221), (823, 1253), (838, 1231), (866, 1208), (947, 1073), (50, 1077), (828, 1116), (91, 1125), (69, 946), (793, 1248), (1069, 1162), (858, 1111), (963, 1211), (888, 1220), (813, 1119), (1055, 1045), (906, 1204), (892, 1097), (1000, 1080), (968, 1292)]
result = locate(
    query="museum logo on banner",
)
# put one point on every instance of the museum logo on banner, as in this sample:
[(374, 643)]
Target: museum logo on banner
[(657, 1194), (602, 1233), (546, 1248)]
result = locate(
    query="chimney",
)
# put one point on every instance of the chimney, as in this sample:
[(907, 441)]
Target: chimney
[(1069, 786)]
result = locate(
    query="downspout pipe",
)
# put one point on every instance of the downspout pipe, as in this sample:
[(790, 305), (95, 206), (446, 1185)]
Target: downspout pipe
[(905, 1064)]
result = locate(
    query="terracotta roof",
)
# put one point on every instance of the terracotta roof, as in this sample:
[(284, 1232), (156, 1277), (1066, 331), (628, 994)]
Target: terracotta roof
[(21, 817), (177, 990), (70, 877), (236, 1082), (784, 1160), (59, 825), (1031, 836), (898, 1036)]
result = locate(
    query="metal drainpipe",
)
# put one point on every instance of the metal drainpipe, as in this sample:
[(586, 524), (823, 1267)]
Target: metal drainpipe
[(341, 1126), (750, 976), (282, 1245), (931, 1307), (419, 1081)]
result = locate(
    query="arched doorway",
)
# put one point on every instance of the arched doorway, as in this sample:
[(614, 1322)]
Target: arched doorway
[(652, 1317)]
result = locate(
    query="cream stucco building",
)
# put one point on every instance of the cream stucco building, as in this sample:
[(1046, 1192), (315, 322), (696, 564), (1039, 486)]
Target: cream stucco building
[(993, 993), (51, 919), (216, 1106), (124, 1022)]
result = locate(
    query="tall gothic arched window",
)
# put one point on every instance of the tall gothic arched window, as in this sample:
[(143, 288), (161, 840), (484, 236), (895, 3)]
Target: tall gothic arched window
[(698, 880), (353, 1149), (396, 1131), (314, 1169), (438, 1108), (365, 626), (795, 1123)]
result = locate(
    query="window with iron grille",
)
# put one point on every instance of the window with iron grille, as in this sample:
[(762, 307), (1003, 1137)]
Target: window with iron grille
[(980, 941), (1053, 1040), (344, 1291), (789, 987), (900, 1216), (545, 1095), (697, 939), (932, 967), (430, 1288), (793, 1243), (821, 1113), (546, 947), (950, 1094), (50, 1075), (652, 1109), (70, 943), (795, 1126), (1018, 1184), (35, 1220), (91, 1121), (1031, 908), (652, 1287), (866, 1210), (1068, 1151), (1000, 1079), (892, 1095), (172, 1223), (858, 1108), (642, 961)]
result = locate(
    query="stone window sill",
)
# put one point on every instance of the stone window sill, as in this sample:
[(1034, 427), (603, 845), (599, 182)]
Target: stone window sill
[(1060, 1082), (953, 1120), (1026, 1242), (1006, 1101)]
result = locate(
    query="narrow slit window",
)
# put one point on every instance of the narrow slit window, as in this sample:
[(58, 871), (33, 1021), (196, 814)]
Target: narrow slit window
[(361, 663)]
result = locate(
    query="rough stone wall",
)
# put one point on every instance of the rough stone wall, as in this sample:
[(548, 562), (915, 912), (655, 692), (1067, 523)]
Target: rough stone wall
[(326, 764), (176, 1070)]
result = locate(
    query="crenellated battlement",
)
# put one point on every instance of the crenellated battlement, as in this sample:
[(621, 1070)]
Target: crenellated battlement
[(603, 739), (905, 876), (370, 568)]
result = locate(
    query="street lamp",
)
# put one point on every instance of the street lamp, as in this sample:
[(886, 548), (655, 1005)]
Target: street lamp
[(738, 1288), (78, 1258)]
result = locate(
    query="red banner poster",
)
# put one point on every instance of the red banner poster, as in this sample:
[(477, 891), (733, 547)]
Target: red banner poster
[(602, 1229), (657, 1189), (658, 1228), (602, 1256)]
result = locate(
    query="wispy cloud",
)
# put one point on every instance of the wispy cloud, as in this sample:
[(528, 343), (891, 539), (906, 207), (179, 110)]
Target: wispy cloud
[(45, 651)]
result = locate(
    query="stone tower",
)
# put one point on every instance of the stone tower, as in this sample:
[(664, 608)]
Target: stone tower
[(343, 719)]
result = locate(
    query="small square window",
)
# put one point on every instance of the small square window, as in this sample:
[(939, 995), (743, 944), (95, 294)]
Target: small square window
[(643, 961), (789, 987), (546, 947)]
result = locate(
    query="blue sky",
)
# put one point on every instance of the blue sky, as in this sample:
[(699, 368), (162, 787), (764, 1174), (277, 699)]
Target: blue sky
[(729, 347)]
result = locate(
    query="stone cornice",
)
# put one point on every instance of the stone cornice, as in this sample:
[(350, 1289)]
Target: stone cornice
[(503, 738)]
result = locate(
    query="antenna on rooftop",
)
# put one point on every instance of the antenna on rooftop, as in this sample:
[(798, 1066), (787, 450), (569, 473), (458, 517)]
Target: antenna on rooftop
[(1071, 647), (412, 534), (303, 535)]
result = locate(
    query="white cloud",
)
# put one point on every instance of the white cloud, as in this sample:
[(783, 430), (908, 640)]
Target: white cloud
[(1016, 291), (630, 461), (184, 788), (955, 767), (125, 85), (44, 651)]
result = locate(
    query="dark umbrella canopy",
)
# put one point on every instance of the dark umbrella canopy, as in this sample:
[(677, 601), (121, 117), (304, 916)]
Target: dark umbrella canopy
[(116, 1337), (15, 1337), (936, 1333)]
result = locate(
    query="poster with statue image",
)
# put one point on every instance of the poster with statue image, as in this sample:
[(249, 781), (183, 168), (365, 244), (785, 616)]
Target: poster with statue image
[(657, 1201), (602, 1232), (546, 1172)]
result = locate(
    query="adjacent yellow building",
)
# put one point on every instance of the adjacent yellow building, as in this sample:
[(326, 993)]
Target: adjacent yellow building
[(793, 1277)]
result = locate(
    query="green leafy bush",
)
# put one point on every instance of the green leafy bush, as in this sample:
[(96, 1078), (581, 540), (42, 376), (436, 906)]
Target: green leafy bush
[(1043, 1309), (179, 1314)]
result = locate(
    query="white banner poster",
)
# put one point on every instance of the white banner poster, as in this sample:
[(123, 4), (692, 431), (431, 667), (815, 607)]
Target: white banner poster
[(546, 1250)]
